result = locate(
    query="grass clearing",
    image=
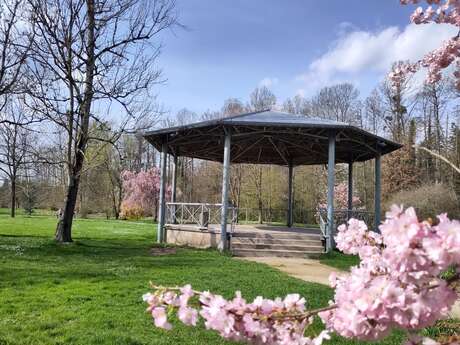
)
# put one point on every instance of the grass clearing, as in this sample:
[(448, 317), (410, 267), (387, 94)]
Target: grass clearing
[(89, 292), (339, 260)]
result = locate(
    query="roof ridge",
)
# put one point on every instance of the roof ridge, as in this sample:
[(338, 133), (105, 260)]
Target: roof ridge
[(244, 114), (286, 113)]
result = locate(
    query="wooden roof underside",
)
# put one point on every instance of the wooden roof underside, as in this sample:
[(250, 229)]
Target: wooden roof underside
[(281, 145)]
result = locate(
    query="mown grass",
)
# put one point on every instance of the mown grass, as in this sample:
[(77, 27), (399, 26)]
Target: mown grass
[(339, 260), (89, 292)]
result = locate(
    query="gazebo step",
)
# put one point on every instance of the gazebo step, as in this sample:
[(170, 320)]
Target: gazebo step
[(276, 253), (280, 241), (284, 247), (278, 235)]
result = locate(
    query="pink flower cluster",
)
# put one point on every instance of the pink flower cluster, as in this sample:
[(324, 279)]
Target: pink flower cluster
[(355, 237), (264, 321), (160, 302), (440, 12), (443, 12), (396, 284)]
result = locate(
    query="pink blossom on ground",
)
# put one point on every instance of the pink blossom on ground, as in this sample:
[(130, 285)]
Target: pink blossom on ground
[(189, 316), (160, 319)]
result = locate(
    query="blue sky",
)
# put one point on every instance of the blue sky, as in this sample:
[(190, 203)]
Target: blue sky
[(293, 46)]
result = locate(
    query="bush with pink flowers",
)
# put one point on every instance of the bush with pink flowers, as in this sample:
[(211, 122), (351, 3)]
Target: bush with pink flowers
[(141, 191)]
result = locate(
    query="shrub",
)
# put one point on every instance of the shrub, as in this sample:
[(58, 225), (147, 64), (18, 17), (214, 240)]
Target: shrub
[(131, 211), (428, 200)]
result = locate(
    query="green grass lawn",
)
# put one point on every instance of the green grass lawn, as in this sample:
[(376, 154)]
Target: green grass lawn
[(339, 260), (89, 292)]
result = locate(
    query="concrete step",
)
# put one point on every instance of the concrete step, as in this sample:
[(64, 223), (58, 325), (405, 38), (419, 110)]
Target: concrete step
[(275, 253), (278, 235), (280, 247), (281, 241)]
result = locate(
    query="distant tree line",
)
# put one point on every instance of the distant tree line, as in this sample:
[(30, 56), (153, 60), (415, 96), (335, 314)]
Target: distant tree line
[(76, 93), (75, 77), (425, 116)]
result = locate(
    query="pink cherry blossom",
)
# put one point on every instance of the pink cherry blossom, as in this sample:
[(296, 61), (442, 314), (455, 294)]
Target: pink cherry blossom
[(189, 316), (141, 191), (396, 285), (440, 12), (160, 319), (355, 237)]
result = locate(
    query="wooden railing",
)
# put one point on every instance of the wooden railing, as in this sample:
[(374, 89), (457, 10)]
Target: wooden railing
[(200, 215)]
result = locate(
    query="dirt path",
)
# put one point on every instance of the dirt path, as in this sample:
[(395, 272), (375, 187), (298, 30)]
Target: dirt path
[(305, 269), (312, 271)]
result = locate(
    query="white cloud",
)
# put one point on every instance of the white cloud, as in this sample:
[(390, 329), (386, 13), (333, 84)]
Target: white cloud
[(268, 82), (357, 52)]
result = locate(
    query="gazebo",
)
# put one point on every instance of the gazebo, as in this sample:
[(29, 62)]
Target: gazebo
[(269, 137)]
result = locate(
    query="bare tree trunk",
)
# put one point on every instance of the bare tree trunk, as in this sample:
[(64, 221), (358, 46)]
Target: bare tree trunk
[(259, 194), (118, 207), (260, 212), (13, 197), (64, 226)]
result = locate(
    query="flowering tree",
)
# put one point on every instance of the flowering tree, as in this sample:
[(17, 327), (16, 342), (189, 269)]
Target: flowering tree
[(440, 12), (141, 192), (340, 197), (397, 285)]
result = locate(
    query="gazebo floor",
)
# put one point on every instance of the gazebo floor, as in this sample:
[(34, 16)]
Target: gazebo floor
[(253, 240)]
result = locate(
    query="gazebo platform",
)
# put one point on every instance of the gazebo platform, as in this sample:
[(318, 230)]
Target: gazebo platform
[(252, 239)]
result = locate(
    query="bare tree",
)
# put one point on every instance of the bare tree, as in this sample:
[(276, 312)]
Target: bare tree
[(399, 104), (91, 59), (297, 105), (255, 176), (15, 41), (262, 99), (433, 103), (374, 112), (338, 102), (233, 106), (113, 167), (13, 147)]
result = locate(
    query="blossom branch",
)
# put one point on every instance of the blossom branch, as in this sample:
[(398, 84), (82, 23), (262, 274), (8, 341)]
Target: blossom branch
[(397, 285), (439, 12)]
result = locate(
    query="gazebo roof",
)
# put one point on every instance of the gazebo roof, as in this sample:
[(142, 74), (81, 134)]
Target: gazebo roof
[(271, 137)]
